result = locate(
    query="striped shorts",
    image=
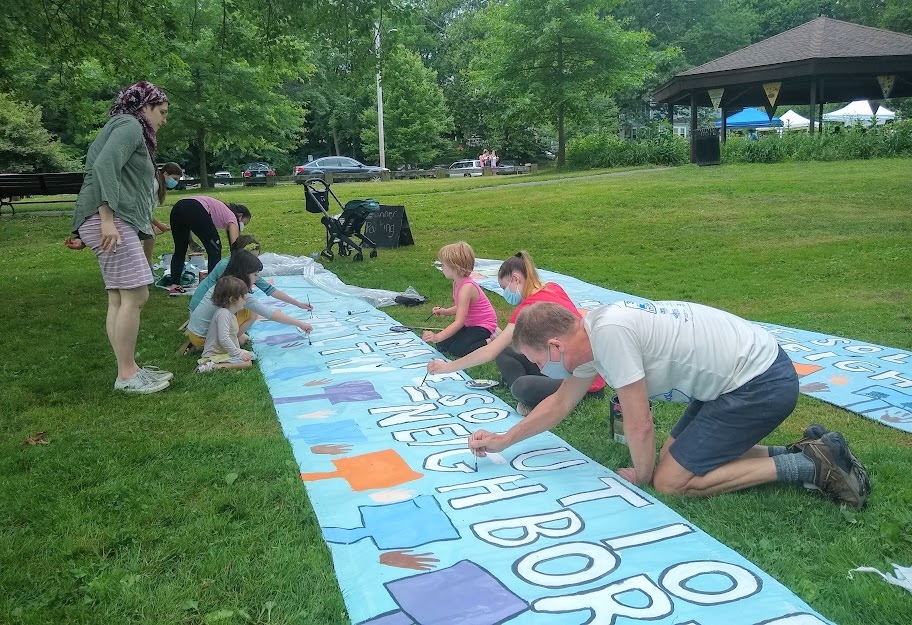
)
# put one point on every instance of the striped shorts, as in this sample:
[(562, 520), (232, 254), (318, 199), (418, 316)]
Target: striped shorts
[(124, 268)]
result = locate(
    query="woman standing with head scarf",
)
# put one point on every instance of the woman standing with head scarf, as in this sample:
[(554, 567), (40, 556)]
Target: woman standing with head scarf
[(114, 213)]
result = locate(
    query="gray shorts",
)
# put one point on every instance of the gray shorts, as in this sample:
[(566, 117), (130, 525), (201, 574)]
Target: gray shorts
[(712, 433)]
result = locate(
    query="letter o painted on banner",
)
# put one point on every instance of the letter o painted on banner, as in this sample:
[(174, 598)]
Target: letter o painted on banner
[(742, 583), (601, 562)]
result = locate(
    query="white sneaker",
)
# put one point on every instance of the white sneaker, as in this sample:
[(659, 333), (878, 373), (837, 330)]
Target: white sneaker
[(155, 372), (206, 367), (142, 383)]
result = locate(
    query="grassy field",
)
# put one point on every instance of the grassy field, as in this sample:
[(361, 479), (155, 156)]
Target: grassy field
[(185, 507)]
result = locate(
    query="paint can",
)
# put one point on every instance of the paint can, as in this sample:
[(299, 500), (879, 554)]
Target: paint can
[(203, 273), (616, 420)]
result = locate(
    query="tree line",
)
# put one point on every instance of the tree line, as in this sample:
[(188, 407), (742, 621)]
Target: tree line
[(280, 80)]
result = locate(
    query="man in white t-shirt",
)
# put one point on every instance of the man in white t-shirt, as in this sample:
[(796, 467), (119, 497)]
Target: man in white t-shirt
[(738, 383)]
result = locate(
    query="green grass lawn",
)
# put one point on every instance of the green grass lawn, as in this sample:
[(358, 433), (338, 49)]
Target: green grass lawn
[(186, 506)]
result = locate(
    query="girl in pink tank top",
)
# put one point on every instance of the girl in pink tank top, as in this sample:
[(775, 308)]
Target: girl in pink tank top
[(475, 320)]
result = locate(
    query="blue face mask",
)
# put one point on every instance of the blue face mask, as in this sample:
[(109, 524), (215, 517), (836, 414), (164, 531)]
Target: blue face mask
[(170, 183), (513, 297), (556, 369)]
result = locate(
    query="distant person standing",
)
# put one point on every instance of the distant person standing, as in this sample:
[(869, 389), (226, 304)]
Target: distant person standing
[(114, 212), (492, 160), (166, 178), (752, 134), (484, 158)]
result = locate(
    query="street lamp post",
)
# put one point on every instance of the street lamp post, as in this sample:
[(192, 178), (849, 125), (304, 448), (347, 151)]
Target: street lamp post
[(380, 137)]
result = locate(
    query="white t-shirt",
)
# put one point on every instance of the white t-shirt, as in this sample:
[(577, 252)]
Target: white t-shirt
[(684, 351)]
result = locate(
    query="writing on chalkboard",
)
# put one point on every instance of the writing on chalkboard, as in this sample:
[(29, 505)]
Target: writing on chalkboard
[(389, 227)]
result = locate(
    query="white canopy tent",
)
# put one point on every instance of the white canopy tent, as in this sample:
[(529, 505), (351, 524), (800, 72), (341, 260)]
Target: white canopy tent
[(859, 112), (793, 121)]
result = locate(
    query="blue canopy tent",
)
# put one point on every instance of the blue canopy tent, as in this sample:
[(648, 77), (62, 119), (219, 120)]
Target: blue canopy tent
[(751, 118)]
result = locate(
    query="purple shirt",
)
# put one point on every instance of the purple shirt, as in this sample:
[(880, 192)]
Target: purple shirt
[(219, 212)]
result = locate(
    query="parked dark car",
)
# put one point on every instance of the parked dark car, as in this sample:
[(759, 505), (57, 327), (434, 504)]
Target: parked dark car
[(505, 168), (257, 173), (339, 167)]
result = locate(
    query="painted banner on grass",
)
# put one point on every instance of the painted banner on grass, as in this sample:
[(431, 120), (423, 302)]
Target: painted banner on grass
[(870, 380), (418, 535)]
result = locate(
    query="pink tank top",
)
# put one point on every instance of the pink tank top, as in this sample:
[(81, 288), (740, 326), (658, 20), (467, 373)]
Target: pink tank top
[(481, 312)]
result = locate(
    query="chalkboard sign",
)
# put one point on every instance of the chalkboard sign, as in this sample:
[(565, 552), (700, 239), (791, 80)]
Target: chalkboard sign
[(389, 227)]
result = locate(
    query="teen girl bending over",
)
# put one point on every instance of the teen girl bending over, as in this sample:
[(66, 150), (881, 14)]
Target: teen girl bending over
[(222, 349), (475, 320), (246, 267)]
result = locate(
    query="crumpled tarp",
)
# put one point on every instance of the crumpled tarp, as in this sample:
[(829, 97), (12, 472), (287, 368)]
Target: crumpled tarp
[(285, 265)]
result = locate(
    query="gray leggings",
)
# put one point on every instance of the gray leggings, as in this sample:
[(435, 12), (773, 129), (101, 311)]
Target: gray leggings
[(525, 381)]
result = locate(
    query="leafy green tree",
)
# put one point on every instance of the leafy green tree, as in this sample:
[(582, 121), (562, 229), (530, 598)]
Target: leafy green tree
[(552, 57), (702, 29), (226, 73), (25, 145), (414, 112)]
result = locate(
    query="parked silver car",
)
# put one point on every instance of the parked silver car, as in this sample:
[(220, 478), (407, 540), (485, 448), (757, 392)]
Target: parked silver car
[(461, 169)]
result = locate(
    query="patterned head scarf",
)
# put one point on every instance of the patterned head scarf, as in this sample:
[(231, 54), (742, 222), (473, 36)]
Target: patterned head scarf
[(130, 101)]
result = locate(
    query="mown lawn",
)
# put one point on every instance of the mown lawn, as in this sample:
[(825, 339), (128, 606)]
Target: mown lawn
[(185, 507)]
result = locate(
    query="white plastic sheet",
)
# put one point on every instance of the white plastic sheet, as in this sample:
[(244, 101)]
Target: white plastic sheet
[(903, 577), (285, 265)]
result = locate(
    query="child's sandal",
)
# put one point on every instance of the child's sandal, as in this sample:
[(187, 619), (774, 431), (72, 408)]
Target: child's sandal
[(186, 348)]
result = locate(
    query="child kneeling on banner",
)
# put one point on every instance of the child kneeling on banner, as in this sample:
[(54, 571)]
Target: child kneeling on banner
[(222, 349), (246, 267), (475, 320)]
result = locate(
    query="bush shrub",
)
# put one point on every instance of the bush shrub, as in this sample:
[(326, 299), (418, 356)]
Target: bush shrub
[(856, 142), (657, 145), (25, 145)]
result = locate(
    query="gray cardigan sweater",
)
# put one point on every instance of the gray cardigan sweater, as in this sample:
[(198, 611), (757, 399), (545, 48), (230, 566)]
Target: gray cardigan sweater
[(118, 171)]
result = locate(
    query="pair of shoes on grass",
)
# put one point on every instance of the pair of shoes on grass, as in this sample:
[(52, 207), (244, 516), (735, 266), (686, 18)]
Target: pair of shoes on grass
[(176, 289), (839, 474), (206, 367), (146, 380)]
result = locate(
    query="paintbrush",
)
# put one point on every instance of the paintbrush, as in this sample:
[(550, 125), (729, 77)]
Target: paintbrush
[(424, 378), (311, 307)]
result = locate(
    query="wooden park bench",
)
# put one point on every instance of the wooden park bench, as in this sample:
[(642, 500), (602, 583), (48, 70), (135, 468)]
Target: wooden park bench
[(13, 187)]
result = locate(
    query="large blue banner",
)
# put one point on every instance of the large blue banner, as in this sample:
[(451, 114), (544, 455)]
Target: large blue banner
[(422, 532), (871, 380)]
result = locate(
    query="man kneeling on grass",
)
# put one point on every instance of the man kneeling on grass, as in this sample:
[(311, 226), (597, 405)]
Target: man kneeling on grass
[(739, 385)]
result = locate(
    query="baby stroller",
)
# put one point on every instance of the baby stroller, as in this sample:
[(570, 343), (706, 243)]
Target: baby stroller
[(342, 229)]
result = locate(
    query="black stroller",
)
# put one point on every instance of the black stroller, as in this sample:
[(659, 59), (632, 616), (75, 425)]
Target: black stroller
[(342, 229)]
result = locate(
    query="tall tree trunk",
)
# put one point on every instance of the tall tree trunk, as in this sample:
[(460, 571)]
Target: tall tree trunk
[(561, 131), (201, 146), (561, 134)]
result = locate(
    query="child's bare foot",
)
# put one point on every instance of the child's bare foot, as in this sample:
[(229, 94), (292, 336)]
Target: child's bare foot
[(243, 338), (74, 244)]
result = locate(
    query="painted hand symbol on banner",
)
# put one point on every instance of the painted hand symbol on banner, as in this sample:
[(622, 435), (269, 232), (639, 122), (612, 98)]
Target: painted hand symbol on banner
[(331, 449), (319, 414), (318, 382), (407, 560), (814, 387)]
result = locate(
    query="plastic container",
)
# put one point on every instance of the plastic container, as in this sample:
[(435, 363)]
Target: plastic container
[(616, 420), (198, 260)]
